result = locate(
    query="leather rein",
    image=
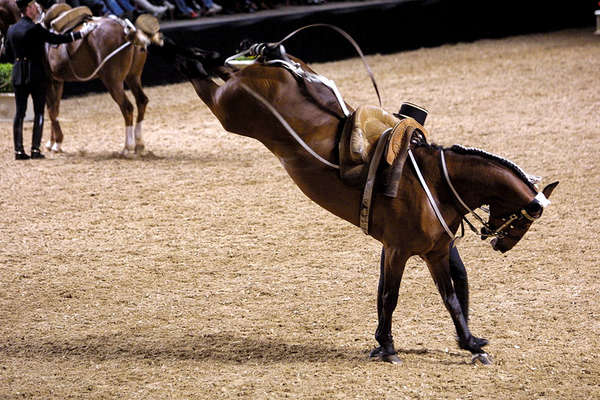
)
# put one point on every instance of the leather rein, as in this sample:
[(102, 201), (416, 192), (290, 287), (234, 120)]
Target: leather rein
[(487, 230)]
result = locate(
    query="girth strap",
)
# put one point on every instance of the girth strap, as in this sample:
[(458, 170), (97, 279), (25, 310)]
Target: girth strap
[(367, 197)]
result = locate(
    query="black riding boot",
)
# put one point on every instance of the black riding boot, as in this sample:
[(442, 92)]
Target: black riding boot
[(36, 139), (18, 139)]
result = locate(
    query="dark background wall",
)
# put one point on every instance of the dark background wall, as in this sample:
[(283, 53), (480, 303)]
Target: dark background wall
[(378, 26)]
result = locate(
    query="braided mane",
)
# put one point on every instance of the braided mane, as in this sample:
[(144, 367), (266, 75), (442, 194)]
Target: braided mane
[(529, 180)]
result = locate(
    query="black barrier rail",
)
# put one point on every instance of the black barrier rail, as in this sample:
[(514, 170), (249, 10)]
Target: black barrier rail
[(383, 26)]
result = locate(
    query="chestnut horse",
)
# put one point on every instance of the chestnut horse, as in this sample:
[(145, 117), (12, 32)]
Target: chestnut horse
[(115, 53), (255, 102), (124, 52)]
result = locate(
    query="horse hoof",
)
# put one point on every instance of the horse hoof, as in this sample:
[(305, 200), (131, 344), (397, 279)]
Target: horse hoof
[(377, 355), (392, 359), (483, 358), (56, 148), (48, 145)]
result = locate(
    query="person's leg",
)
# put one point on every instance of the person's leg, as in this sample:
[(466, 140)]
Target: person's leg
[(114, 7), (183, 8), (21, 95), (38, 93), (126, 6)]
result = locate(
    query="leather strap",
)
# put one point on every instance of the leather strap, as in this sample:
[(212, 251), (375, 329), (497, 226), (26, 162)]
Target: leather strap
[(367, 197)]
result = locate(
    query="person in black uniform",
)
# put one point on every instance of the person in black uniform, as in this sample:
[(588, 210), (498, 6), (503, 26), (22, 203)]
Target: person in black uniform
[(25, 48)]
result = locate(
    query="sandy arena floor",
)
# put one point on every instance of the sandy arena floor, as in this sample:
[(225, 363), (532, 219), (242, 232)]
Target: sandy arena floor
[(200, 271)]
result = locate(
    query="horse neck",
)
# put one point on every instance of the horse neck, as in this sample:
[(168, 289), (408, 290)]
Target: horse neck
[(480, 180)]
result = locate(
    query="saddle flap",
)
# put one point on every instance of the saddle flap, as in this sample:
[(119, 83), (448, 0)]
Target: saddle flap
[(69, 19), (401, 137)]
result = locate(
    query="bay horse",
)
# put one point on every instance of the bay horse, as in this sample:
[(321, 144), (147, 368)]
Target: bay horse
[(115, 53), (260, 99)]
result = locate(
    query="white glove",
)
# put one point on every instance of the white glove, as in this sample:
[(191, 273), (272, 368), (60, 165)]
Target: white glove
[(87, 28)]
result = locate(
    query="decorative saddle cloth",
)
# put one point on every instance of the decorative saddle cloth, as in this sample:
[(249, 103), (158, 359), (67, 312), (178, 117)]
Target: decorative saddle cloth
[(62, 18)]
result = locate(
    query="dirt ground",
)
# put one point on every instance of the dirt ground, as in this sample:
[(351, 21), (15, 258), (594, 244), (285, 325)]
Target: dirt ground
[(200, 271)]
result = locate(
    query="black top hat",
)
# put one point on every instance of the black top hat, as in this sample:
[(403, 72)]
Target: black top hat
[(413, 111), (22, 4)]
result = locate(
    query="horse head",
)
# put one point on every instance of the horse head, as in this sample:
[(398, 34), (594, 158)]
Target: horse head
[(509, 227)]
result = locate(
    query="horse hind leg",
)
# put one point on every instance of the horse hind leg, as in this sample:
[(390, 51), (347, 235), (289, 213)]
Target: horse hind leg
[(53, 97), (141, 100)]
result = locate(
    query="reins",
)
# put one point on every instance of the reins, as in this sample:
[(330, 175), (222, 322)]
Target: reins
[(287, 126), (259, 49), (487, 230), (104, 61)]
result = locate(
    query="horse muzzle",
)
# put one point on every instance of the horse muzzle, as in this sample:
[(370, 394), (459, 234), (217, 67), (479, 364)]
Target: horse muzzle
[(497, 245)]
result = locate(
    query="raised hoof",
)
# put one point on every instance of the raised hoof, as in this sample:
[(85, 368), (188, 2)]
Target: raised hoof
[(483, 358)]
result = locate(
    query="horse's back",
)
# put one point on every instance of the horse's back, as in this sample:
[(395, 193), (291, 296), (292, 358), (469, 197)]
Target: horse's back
[(83, 56)]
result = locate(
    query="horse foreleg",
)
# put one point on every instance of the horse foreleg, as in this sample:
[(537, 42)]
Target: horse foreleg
[(117, 92), (391, 269), (141, 101), (53, 97), (458, 273), (439, 266)]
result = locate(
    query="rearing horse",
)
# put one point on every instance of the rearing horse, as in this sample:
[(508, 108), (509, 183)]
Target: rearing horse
[(406, 225)]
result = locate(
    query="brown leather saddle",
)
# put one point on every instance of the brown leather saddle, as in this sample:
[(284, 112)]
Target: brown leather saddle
[(62, 18), (374, 144), (361, 137)]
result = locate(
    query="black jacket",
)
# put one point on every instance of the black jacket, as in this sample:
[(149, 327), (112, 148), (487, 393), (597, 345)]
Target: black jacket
[(25, 47)]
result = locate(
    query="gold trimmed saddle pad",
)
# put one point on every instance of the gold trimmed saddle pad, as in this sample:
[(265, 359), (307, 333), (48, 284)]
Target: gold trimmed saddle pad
[(69, 19)]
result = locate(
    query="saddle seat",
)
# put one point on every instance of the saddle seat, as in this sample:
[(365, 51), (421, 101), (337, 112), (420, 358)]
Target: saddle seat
[(360, 137), (62, 18)]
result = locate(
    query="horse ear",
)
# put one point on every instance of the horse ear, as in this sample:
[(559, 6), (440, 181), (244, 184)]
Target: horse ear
[(548, 189)]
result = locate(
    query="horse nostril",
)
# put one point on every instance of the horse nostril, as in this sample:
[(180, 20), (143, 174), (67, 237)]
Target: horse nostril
[(494, 243)]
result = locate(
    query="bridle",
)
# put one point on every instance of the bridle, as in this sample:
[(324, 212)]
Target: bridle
[(487, 231)]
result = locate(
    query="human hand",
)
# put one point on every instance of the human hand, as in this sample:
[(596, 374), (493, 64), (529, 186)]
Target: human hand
[(87, 28)]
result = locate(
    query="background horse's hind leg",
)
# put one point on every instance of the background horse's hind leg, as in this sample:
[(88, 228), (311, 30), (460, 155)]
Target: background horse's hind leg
[(53, 97), (392, 267), (117, 91), (135, 84)]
